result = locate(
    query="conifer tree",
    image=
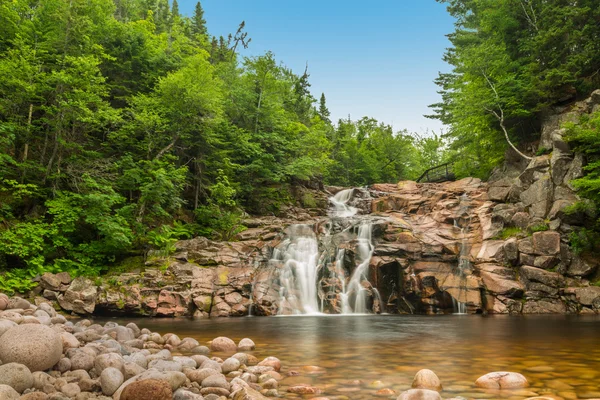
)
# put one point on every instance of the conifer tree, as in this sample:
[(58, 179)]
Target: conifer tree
[(198, 21), (323, 110)]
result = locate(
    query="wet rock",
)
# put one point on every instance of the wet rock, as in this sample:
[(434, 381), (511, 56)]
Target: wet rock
[(502, 380), (17, 376), (427, 379), (304, 389), (419, 394), (36, 346), (271, 362), (246, 345), (110, 380), (223, 344), (148, 389), (385, 392)]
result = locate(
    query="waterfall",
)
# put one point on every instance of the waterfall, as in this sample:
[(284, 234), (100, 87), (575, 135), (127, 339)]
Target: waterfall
[(464, 265), (354, 299), (299, 274), (306, 268), (341, 209)]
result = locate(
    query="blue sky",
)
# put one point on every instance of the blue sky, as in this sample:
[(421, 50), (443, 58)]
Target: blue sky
[(377, 59)]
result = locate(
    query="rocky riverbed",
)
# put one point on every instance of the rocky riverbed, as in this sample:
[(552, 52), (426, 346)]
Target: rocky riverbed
[(46, 356)]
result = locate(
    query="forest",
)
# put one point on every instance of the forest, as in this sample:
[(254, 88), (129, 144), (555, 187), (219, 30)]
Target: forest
[(126, 126)]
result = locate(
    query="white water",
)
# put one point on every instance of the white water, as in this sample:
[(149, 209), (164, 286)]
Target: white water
[(340, 201), (303, 260), (354, 299), (299, 275), (464, 265)]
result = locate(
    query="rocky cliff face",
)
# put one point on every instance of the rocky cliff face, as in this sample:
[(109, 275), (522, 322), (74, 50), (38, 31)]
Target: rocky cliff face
[(497, 247)]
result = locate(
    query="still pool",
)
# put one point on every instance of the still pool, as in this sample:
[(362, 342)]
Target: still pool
[(559, 355)]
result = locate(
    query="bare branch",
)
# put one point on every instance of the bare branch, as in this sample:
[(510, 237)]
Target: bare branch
[(532, 19), (500, 116)]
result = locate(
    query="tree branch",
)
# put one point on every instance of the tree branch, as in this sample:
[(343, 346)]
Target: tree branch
[(500, 117), (532, 19)]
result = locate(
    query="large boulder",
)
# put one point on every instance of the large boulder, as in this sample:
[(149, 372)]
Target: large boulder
[(80, 297), (17, 376), (38, 347), (502, 380)]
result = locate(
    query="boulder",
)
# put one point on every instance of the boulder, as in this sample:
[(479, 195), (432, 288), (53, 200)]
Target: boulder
[(38, 347), (223, 344), (8, 393), (538, 197), (147, 389), (427, 379), (110, 380), (588, 296), (80, 297), (499, 280), (17, 376), (246, 345), (546, 243), (230, 365), (173, 378), (552, 279), (502, 380)]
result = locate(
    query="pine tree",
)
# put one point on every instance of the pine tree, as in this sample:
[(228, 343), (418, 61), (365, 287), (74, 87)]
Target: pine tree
[(323, 110), (175, 9), (162, 18), (198, 21)]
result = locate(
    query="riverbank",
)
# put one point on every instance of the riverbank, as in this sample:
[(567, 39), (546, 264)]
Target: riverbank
[(359, 357)]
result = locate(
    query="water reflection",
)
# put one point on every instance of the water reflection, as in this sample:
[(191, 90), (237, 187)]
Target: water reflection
[(560, 355)]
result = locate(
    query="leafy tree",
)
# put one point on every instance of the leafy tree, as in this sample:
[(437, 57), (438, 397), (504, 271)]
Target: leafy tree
[(511, 60)]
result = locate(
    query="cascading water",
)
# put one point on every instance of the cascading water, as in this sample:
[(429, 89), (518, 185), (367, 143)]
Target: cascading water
[(464, 264), (354, 299), (306, 269), (341, 208), (299, 274)]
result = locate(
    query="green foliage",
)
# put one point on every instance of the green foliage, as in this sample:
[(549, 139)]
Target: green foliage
[(584, 240), (511, 60), (541, 227), (509, 232), (542, 150), (221, 218), (125, 126), (584, 137)]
